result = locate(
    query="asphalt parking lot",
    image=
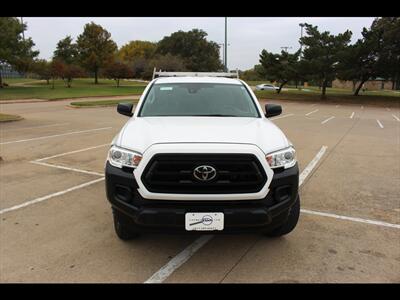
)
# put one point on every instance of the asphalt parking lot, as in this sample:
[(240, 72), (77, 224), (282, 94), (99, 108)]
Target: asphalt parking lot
[(56, 224)]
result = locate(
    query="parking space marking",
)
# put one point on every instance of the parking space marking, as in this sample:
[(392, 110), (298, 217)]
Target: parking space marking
[(40, 162), (354, 219), (178, 260), (66, 168), (311, 112), (189, 251), (40, 199), (327, 120), (34, 127), (396, 117), (352, 115), (72, 152), (311, 165), (55, 135), (379, 123), (281, 117)]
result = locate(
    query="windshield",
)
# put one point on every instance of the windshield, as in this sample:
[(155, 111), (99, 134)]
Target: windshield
[(198, 99)]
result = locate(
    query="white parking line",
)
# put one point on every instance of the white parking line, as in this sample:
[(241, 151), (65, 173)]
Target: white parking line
[(189, 251), (34, 127), (311, 112), (55, 135), (379, 123), (178, 260), (40, 199), (72, 152), (281, 117), (354, 219), (352, 115), (327, 120), (311, 165), (396, 117), (66, 168)]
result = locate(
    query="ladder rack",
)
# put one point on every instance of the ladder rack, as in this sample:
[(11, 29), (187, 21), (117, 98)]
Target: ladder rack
[(196, 74)]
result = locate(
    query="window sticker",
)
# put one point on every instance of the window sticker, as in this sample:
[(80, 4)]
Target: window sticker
[(166, 88)]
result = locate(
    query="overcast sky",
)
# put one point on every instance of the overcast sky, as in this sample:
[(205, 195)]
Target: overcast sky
[(246, 36)]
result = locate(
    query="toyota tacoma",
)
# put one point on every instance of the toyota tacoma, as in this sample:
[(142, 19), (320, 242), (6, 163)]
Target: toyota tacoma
[(198, 154)]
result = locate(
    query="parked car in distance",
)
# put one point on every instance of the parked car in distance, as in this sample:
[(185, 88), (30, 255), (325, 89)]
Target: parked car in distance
[(266, 86)]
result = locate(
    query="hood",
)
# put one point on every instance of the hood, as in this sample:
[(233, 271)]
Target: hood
[(140, 133)]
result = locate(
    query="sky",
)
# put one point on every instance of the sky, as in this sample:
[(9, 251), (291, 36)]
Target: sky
[(247, 37)]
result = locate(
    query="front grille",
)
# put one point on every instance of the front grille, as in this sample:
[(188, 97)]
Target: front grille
[(173, 173)]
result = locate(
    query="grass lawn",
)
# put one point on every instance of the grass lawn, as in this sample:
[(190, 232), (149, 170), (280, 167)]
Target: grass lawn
[(82, 87), (12, 81), (99, 103), (8, 118)]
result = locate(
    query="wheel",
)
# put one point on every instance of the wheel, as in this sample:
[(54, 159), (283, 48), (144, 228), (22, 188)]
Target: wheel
[(290, 223), (124, 227)]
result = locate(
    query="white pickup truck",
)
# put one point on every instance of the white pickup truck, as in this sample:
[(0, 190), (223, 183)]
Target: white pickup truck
[(199, 154)]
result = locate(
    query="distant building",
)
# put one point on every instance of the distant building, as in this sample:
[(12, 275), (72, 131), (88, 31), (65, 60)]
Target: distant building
[(376, 84), (8, 72)]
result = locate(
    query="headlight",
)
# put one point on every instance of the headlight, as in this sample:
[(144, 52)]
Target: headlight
[(119, 157), (283, 158)]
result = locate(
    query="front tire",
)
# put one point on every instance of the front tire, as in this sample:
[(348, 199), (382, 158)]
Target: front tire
[(124, 227), (290, 223)]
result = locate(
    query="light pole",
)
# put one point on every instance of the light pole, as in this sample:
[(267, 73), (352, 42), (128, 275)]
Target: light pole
[(223, 51), (301, 46), (226, 46), (23, 34), (301, 35), (286, 48)]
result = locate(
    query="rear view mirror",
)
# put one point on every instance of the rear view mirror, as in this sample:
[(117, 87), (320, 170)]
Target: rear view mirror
[(125, 109), (272, 110)]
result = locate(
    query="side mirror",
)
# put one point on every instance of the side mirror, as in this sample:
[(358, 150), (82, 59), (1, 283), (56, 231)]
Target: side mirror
[(125, 109), (272, 110)]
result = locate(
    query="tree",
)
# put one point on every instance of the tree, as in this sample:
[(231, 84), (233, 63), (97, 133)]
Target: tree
[(376, 54), (388, 31), (14, 50), (252, 74), (42, 68), (136, 50), (70, 72), (117, 70), (168, 63), (66, 51), (198, 54), (95, 48), (321, 54), (359, 62), (67, 72), (281, 68)]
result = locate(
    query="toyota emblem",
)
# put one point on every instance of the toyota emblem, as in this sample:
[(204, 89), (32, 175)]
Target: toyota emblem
[(204, 173)]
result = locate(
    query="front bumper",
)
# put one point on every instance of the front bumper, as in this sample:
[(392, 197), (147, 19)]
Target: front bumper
[(169, 215)]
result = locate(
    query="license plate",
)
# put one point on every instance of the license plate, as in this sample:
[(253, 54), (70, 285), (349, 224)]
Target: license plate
[(204, 221)]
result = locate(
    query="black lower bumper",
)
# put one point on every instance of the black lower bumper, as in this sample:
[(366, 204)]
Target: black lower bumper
[(167, 215)]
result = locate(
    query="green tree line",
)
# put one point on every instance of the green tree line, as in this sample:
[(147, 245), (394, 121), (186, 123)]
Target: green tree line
[(95, 54), (324, 57)]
